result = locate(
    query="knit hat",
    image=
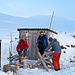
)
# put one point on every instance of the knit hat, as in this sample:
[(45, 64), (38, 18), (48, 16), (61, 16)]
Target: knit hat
[(50, 39), (21, 41)]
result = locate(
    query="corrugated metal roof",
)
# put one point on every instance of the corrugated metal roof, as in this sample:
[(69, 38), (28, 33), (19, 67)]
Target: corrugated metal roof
[(37, 29)]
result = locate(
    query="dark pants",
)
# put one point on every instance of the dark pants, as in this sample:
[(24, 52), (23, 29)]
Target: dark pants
[(19, 53), (25, 52), (41, 50)]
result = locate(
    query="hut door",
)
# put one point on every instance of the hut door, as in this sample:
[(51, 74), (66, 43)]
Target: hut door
[(33, 50)]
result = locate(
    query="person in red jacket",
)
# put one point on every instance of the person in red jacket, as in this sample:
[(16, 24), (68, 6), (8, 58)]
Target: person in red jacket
[(22, 45)]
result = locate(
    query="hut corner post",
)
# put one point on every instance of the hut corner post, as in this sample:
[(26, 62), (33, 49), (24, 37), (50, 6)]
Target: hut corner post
[(0, 54)]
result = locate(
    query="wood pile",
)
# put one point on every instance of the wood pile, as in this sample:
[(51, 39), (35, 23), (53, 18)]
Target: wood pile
[(5, 67), (45, 59)]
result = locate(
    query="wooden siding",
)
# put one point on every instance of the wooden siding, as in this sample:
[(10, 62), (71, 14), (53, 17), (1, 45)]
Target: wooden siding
[(31, 37)]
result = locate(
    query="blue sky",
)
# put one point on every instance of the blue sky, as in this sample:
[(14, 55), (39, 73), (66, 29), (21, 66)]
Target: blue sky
[(27, 8)]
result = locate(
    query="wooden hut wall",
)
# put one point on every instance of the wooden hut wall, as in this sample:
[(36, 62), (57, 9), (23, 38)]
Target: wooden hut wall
[(31, 37)]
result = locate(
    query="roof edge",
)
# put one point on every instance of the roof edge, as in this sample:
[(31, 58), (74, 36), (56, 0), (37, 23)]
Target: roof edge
[(36, 29)]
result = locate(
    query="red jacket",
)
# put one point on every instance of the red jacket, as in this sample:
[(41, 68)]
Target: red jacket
[(22, 45)]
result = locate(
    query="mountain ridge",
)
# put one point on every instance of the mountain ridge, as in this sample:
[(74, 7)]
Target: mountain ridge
[(40, 21)]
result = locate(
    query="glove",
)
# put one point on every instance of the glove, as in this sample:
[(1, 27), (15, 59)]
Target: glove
[(25, 49), (19, 50)]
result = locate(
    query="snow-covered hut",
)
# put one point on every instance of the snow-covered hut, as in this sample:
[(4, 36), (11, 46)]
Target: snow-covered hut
[(31, 35)]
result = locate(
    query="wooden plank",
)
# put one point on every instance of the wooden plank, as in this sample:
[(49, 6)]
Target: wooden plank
[(5, 67), (46, 57), (21, 57), (44, 64), (34, 46), (50, 62), (36, 63)]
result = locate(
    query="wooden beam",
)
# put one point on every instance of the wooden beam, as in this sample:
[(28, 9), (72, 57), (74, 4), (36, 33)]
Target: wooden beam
[(44, 64), (50, 62), (21, 57), (36, 63)]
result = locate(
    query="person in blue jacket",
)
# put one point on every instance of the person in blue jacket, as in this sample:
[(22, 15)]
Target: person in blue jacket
[(42, 42), (57, 52)]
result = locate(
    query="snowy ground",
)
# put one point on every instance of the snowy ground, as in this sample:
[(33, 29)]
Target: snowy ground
[(67, 67)]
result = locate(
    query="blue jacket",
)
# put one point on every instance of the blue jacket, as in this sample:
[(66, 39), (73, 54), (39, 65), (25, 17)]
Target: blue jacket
[(44, 41), (56, 46)]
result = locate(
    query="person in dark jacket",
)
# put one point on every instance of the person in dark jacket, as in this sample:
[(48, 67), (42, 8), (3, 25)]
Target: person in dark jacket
[(42, 43), (22, 46), (57, 52)]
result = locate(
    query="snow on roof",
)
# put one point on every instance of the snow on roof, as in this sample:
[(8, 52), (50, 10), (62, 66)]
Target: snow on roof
[(37, 29)]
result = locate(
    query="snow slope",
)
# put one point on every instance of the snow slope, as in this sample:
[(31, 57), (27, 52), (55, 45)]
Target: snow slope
[(67, 67), (68, 71), (2, 73)]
